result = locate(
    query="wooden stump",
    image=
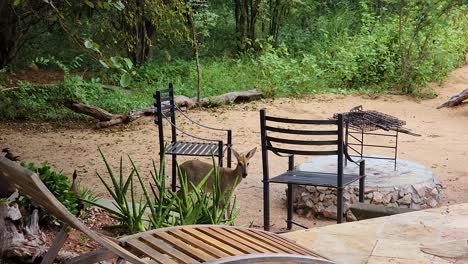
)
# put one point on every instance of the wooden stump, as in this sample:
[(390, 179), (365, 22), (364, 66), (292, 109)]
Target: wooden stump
[(21, 243), (455, 100)]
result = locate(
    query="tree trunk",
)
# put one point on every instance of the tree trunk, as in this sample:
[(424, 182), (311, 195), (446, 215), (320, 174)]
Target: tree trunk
[(241, 23), (9, 33), (196, 48)]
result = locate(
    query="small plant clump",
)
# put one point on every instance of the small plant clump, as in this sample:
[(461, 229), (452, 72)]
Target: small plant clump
[(161, 207)]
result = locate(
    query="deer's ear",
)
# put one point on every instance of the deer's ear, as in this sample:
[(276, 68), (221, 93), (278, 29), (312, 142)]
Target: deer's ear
[(251, 153), (235, 154)]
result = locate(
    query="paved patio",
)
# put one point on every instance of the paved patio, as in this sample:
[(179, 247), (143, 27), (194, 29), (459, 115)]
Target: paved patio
[(394, 239)]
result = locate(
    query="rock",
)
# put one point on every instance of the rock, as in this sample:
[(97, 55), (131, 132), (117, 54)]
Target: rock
[(377, 198), (401, 193), (309, 214), (432, 203), (370, 196), (346, 206), (394, 197), (329, 200), (387, 198), (328, 191), (435, 192), (350, 217), (315, 199), (304, 195), (392, 205), (330, 212), (415, 206), (406, 200), (369, 190), (311, 189), (347, 196), (300, 211), (322, 195), (421, 189), (321, 189), (309, 203), (319, 208), (416, 199)]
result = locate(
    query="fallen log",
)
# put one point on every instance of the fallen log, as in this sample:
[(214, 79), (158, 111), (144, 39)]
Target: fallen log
[(106, 119), (366, 211), (455, 100)]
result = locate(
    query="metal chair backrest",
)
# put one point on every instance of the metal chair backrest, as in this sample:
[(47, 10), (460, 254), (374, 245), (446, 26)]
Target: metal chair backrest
[(28, 183), (165, 107), (282, 143)]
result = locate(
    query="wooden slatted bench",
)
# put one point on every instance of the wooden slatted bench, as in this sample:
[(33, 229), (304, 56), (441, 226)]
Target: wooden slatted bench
[(205, 243)]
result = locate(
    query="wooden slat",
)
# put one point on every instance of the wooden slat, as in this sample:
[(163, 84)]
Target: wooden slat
[(196, 242), (240, 239), (261, 242), (229, 251), (186, 247), (56, 246), (268, 239), (150, 252), (227, 240), (92, 257), (162, 246), (285, 243)]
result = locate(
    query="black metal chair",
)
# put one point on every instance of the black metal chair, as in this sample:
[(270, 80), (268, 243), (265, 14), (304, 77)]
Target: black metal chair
[(166, 109), (275, 139)]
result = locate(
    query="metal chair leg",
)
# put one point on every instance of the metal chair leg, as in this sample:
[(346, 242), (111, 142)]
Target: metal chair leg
[(290, 206), (174, 173), (361, 190), (339, 205), (266, 206), (362, 172)]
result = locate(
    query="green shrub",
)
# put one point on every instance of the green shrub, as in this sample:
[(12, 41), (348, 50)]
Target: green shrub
[(60, 186)]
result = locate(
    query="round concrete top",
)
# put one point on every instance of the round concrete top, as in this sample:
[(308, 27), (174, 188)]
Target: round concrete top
[(380, 173)]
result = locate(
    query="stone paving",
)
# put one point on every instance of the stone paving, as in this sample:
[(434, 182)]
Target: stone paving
[(394, 239)]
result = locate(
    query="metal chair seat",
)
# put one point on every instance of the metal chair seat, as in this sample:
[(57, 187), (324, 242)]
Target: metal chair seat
[(314, 178), (193, 149)]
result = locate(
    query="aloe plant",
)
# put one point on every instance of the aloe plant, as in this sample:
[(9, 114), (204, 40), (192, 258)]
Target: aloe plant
[(159, 206)]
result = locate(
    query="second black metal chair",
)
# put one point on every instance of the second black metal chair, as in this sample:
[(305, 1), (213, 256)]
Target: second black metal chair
[(292, 137), (166, 109)]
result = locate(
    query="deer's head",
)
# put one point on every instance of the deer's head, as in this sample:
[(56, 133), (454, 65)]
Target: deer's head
[(243, 160)]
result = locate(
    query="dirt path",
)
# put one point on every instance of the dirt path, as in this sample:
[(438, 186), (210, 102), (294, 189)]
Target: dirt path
[(443, 145)]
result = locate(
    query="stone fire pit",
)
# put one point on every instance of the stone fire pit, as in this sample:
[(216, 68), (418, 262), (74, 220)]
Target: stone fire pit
[(412, 185)]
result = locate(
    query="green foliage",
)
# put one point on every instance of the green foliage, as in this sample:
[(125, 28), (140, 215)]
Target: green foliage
[(57, 183), (159, 206), (322, 46)]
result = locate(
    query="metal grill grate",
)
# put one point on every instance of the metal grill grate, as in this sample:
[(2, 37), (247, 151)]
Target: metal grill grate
[(370, 120)]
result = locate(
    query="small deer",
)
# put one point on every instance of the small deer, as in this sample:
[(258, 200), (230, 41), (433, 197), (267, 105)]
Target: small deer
[(196, 171)]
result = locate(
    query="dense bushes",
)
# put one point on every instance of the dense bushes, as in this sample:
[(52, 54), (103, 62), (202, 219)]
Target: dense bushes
[(324, 46)]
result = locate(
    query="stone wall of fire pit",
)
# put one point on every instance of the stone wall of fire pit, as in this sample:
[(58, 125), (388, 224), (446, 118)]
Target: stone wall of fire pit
[(410, 186)]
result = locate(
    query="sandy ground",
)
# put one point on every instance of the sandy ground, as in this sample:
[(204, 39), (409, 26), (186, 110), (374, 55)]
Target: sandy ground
[(442, 146)]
